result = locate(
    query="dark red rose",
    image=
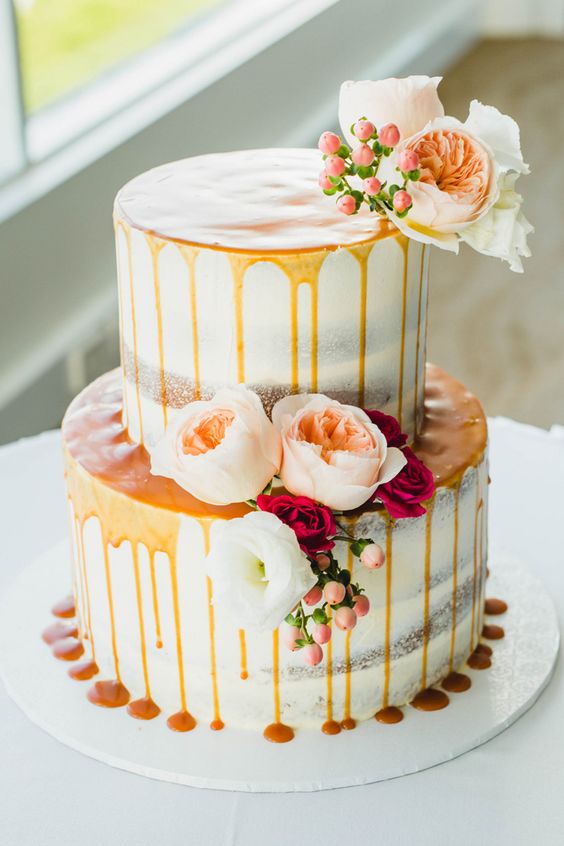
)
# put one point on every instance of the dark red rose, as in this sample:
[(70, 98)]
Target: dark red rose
[(313, 524), (389, 427), (404, 493)]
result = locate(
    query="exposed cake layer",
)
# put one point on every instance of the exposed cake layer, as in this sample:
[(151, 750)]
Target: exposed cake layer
[(266, 283), (146, 606)]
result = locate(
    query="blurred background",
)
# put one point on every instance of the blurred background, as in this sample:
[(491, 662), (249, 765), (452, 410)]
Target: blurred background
[(93, 92)]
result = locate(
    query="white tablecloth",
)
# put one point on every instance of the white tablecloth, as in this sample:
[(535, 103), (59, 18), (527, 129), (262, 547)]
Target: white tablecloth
[(509, 791)]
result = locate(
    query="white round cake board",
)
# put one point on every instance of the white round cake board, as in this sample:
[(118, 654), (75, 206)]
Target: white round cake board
[(233, 759)]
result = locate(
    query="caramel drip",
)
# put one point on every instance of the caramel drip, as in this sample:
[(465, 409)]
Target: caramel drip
[(277, 732), (491, 632), (479, 660), (142, 709), (155, 247), (183, 717), (243, 652), (84, 671), (456, 682), (68, 649), (134, 332), (190, 255), (58, 631), (80, 602), (111, 608), (155, 595), (389, 715), (362, 254), (80, 531), (456, 494), (118, 224), (388, 618), (430, 700), (404, 243), (484, 649), (418, 342), (217, 723), (426, 600), (495, 606), (473, 634), (239, 266), (347, 722), (108, 694), (65, 608), (330, 726)]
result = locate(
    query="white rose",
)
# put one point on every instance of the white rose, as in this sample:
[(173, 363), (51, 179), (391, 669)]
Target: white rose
[(221, 450), (333, 453), (258, 570)]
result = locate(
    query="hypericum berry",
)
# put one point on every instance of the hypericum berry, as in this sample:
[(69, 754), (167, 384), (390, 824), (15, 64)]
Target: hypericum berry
[(402, 201), (313, 596), (346, 204), (290, 634), (321, 633), (335, 166), (363, 155), (334, 592), (323, 561), (324, 181), (329, 143), (313, 654), (408, 160), (373, 556), (363, 129), (372, 186), (389, 135), (345, 618), (361, 605)]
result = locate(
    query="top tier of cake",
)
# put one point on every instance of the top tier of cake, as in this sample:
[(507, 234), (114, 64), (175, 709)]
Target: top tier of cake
[(237, 268)]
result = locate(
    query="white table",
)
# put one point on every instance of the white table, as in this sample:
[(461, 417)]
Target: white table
[(509, 791)]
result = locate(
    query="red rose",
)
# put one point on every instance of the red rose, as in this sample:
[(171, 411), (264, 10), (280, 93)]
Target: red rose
[(312, 523), (404, 493), (389, 427)]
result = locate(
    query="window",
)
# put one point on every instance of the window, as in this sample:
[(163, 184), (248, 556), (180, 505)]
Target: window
[(65, 44)]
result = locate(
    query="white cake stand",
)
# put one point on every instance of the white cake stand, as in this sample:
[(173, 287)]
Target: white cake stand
[(239, 760)]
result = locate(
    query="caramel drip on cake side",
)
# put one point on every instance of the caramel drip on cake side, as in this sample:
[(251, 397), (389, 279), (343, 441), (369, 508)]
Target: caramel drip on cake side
[(404, 243), (190, 254), (143, 709), (82, 566), (155, 595), (127, 233), (330, 726), (276, 731), (475, 617), (388, 714), (348, 722), (362, 254), (426, 598), (182, 720), (217, 723), (418, 341), (155, 246), (456, 495), (78, 581)]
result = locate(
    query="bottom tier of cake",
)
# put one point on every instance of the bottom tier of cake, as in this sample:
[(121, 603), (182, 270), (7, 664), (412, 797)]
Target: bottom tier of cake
[(153, 640)]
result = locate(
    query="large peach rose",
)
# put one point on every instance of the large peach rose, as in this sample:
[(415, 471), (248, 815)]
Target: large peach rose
[(333, 453), (221, 450)]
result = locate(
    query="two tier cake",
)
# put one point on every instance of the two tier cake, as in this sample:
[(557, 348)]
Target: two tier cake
[(278, 511)]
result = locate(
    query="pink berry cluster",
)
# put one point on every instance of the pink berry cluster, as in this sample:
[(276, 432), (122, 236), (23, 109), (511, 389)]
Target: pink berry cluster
[(336, 598), (363, 161)]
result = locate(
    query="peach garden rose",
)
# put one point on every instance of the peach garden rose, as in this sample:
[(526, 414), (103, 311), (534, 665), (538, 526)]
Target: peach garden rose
[(221, 450), (332, 453)]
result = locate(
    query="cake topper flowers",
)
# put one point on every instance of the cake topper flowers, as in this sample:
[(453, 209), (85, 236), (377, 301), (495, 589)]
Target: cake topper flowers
[(459, 176)]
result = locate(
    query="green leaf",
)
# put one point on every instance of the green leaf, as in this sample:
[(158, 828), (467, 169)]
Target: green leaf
[(393, 189), (378, 149), (414, 175), (365, 172), (343, 151), (403, 213), (337, 181), (352, 169), (290, 619), (329, 191), (386, 150), (319, 616), (358, 195)]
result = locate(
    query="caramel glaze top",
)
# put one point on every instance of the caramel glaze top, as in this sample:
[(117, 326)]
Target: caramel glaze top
[(252, 201), (454, 437)]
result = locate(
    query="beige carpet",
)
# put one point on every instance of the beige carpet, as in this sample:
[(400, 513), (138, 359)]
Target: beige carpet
[(500, 332)]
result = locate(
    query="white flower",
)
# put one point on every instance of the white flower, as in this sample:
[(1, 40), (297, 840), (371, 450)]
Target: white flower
[(222, 450), (333, 453), (258, 570)]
